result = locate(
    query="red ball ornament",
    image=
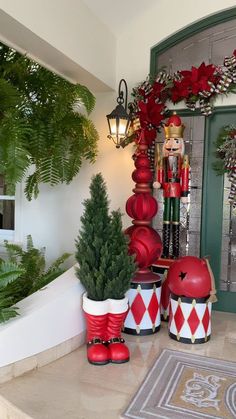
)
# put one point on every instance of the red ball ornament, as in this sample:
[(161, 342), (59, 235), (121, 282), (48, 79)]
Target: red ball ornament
[(145, 243), (142, 161), (143, 175), (142, 206), (189, 277)]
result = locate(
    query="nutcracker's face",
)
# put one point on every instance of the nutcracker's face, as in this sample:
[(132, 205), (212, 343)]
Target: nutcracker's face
[(173, 146)]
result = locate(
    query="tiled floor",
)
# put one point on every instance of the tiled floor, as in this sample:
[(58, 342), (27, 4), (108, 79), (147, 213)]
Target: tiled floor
[(70, 388)]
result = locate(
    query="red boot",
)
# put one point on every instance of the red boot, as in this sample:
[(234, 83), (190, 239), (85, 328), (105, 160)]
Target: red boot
[(119, 352), (96, 314)]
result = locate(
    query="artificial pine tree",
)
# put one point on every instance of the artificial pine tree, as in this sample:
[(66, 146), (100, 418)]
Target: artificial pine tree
[(120, 266), (105, 270), (92, 240)]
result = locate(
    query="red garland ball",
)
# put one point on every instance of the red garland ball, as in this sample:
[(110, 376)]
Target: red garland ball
[(189, 277), (142, 175), (142, 161), (141, 206), (145, 243)]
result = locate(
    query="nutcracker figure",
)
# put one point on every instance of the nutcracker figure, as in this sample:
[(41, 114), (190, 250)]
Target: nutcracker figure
[(173, 177)]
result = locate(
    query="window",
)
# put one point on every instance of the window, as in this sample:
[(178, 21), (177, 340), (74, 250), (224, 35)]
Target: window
[(7, 212)]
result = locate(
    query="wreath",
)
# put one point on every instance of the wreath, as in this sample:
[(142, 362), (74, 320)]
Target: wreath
[(226, 153), (198, 87)]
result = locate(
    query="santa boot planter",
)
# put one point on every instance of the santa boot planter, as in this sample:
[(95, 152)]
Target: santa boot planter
[(105, 269), (119, 353), (96, 315)]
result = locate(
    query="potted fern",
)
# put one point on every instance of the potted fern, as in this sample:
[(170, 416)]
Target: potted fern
[(24, 273), (44, 124), (105, 270), (9, 272)]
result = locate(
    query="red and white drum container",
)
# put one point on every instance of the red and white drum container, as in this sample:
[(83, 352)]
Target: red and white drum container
[(190, 319), (144, 315), (192, 287), (161, 267)]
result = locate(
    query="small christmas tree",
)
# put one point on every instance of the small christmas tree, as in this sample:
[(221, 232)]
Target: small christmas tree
[(105, 268)]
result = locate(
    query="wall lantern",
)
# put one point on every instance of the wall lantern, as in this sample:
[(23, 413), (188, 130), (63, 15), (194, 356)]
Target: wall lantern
[(119, 120)]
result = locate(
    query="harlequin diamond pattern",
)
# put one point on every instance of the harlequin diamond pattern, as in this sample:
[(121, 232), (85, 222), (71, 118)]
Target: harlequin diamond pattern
[(153, 308), (138, 308), (206, 319), (179, 319), (144, 312), (193, 321), (190, 320)]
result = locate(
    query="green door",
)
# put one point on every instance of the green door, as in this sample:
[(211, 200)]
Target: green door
[(212, 205)]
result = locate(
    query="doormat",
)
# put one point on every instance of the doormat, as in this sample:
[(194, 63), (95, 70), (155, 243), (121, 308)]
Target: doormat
[(182, 385)]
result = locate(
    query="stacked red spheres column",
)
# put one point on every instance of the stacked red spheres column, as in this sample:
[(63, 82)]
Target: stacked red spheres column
[(144, 296)]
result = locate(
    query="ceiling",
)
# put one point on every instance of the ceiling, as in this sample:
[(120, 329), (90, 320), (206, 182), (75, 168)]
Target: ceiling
[(117, 14)]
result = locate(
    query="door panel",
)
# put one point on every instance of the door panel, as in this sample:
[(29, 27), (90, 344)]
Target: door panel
[(212, 206)]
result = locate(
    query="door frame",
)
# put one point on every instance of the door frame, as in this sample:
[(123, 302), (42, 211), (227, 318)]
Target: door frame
[(226, 299), (215, 19)]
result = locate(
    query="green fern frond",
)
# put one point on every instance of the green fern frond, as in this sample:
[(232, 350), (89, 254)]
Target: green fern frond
[(9, 271), (29, 243), (59, 261), (32, 186), (13, 251), (42, 128), (48, 168), (92, 137), (46, 279), (73, 168), (7, 314), (37, 142), (86, 97), (9, 96), (14, 156)]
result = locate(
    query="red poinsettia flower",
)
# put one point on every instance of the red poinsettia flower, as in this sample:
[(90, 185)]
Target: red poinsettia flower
[(180, 90), (150, 112), (150, 135), (160, 91), (194, 81), (157, 88), (141, 92), (234, 53)]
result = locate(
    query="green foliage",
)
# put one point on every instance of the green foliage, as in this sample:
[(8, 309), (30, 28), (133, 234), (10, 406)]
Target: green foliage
[(24, 273), (9, 272), (120, 266), (105, 268), (39, 125), (225, 150)]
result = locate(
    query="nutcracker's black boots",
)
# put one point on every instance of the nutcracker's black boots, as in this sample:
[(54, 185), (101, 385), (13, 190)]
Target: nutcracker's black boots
[(166, 240), (175, 240)]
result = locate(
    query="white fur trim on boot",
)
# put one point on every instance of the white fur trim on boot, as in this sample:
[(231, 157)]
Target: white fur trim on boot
[(118, 306), (96, 308)]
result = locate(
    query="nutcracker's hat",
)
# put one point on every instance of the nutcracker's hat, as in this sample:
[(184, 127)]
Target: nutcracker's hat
[(174, 127)]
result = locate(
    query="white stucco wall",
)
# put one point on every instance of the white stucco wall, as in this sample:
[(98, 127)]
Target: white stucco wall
[(64, 35), (53, 219), (159, 21)]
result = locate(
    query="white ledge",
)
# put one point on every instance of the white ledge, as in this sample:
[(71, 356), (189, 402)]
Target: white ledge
[(47, 318)]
